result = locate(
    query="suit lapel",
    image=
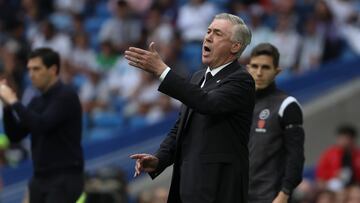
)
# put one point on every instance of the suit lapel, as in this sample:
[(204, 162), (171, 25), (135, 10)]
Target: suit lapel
[(198, 78), (186, 111)]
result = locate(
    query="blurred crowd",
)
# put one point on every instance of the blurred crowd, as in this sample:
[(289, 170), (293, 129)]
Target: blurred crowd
[(91, 36)]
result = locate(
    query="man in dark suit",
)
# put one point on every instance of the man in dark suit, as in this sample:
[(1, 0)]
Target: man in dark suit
[(53, 121), (208, 144)]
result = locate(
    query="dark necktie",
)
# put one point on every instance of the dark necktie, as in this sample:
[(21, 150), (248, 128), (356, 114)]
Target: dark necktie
[(208, 77)]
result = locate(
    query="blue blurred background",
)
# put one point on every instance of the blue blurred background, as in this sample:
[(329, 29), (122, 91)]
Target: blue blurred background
[(319, 43)]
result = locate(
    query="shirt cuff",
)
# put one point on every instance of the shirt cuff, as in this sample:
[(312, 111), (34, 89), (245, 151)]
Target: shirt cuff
[(286, 191), (164, 73)]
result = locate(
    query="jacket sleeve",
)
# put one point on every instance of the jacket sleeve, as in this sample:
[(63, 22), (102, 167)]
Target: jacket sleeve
[(235, 92), (14, 130), (57, 112), (294, 138)]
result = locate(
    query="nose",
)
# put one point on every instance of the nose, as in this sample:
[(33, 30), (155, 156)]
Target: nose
[(259, 72), (208, 37)]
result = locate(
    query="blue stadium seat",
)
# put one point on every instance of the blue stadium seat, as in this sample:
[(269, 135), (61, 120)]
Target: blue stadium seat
[(93, 24), (101, 133), (136, 122), (62, 22), (191, 53), (102, 10), (94, 42), (220, 3), (78, 81), (107, 119), (181, 2)]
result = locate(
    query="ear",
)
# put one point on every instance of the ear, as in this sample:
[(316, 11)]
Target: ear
[(248, 67), (53, 69), (235, 48), (278, 70)]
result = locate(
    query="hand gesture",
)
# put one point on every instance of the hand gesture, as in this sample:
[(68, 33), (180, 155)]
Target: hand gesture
[(144, 162), (7, 95), (149, 61), (281, 198)]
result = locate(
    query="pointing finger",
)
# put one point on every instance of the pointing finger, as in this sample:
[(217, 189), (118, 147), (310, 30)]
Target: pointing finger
[(138, 156)]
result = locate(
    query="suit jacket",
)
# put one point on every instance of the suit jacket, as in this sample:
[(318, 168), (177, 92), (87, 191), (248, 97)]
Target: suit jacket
[(208, 144)]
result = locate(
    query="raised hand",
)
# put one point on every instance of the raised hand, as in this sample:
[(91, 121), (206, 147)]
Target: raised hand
[(7, 95), (144, 162), (148, 60)]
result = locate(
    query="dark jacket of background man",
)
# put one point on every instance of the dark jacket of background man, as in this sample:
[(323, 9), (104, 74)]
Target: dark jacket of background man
[(54, 121)]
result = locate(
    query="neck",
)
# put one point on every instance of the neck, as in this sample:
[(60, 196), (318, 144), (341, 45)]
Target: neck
[(226, 62), (265, 91), (51, 83)]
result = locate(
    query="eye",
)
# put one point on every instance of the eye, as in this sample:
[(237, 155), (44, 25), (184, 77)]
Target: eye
[(218, 33), (254, 66), (266, 67)]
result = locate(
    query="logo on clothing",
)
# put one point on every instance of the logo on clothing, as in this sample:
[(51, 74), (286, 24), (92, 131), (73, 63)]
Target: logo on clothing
[(264, 114)]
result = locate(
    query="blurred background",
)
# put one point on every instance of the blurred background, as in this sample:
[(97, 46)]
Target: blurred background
[(319, 43)]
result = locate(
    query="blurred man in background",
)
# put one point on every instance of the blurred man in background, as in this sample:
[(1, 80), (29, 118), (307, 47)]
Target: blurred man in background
[(276, 143), (53, 119), (339, 165)]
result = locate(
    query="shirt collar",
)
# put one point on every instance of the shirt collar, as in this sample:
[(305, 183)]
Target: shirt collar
[(53, 88), (214, 71), (266, 91)]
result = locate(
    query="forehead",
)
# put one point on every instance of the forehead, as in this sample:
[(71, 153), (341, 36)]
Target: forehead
[(37, 61), (262, 59), (221, 24)]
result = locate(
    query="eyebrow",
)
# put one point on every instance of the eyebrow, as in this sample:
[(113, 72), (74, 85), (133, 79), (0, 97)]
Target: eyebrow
[(33, 67), (216, 30), (260, 65)]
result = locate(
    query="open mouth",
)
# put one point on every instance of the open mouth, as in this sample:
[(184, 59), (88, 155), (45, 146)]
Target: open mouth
[(206, 50)]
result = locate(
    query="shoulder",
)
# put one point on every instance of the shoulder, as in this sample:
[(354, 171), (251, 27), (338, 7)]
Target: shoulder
[(67, 91), (288, 103), (198, 73), (332, 151), (242, 76), (237, 70)]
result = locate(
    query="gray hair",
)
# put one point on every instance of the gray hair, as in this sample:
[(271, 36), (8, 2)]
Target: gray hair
[(241, 33)]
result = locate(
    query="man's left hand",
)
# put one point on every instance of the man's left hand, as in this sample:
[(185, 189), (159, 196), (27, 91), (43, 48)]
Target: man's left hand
[(7, 94), (281, 198), (148, 60)]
